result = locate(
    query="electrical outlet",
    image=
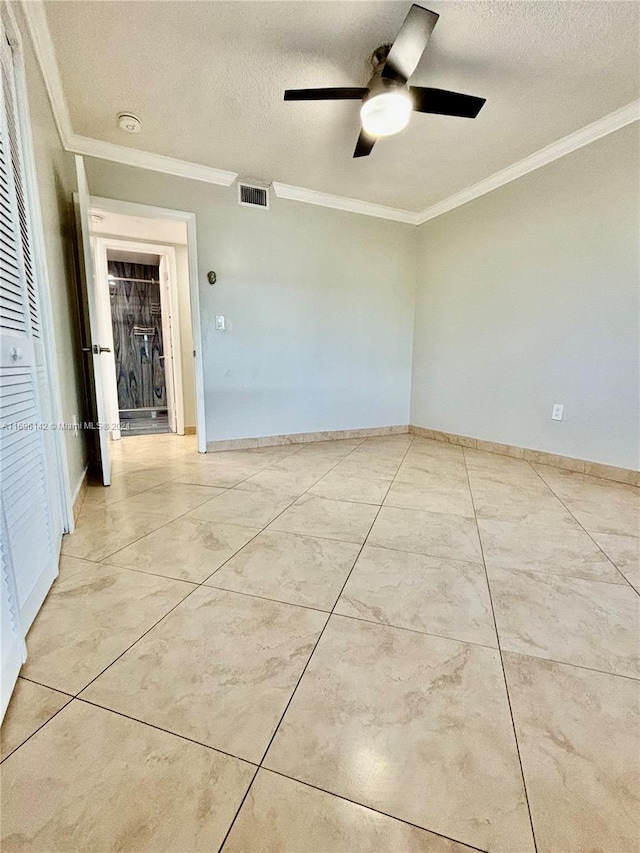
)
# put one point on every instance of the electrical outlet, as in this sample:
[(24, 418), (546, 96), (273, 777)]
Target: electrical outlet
[(220, 323), (557, 411)]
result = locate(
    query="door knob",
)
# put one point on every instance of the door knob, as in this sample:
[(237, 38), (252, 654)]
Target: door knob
[(96, 349), (16, 353)]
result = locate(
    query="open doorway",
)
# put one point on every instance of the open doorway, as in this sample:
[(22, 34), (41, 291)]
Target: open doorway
[(149, 382), (143, 269), (142, 327), (143, 304)]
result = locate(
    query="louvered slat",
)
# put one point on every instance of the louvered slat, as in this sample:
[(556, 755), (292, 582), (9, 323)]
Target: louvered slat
[(12, 153), (12, 305), (26, 510)]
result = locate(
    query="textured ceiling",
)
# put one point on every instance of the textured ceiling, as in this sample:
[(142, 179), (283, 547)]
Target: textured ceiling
[(207, 78)]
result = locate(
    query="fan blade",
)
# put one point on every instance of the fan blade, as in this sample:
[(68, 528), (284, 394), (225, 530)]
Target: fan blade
[(444, 103), (410, 43), (364, 145), (342, 94)]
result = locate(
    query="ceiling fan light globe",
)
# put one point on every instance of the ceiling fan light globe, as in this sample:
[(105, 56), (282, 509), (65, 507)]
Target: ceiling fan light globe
[(386, 113)]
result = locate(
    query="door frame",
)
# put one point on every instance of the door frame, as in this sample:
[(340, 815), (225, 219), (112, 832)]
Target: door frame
[(62, 483), (152, 212), (172, 349)]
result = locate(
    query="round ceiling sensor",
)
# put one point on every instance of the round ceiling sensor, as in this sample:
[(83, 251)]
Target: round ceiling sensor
[(129, 122)]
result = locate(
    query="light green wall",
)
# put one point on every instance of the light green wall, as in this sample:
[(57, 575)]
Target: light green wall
[(525, 297), (529, 296), (56, 183), (318, 304)]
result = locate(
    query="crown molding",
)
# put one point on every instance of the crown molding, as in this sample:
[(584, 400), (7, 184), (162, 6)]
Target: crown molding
[(36, 21), (338, 202), (37, 25), (148, 160), (572, 142)]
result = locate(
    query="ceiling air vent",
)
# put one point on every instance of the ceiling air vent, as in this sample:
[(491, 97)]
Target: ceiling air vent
[(253, 195)]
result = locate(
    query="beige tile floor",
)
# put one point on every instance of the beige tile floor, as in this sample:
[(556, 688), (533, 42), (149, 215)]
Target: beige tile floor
[(379, 645)]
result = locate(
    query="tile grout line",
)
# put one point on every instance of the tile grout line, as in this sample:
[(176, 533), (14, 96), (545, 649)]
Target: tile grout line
[(304, 669), (77, 696), (104, 560), (257, 768), (354, 618), (331, 613), (35, 731), (295, 498), (173, 480), (582, 527), (224, 490), (195, 587), (275, 518), (166, 731), (504, 674), (463, 844)]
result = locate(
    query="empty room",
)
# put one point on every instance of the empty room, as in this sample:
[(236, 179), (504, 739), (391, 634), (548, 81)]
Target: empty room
[(320, 426)]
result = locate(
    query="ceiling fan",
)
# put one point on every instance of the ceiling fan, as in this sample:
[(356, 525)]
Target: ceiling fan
[(387, 99)]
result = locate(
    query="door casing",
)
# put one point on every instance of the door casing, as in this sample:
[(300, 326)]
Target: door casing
[(170, 326), (152, 212)]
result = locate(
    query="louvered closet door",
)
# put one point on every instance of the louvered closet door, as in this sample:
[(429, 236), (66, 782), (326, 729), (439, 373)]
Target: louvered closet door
[(31, 530), (16, 148)]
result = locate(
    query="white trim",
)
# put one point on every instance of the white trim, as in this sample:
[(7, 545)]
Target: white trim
[(39, 254), (572, 142), (153, 212), (45, 52), (109, 381), (171, 332), (338, 202), (36, 20), (194, 290), (147, 160)]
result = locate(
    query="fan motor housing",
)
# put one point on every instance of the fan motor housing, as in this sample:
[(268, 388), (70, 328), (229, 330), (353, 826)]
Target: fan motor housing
[(379, 84)]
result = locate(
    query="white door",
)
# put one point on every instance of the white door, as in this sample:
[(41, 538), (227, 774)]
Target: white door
[(167, 341), (98, 347), (30, 527), (13, 649)]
